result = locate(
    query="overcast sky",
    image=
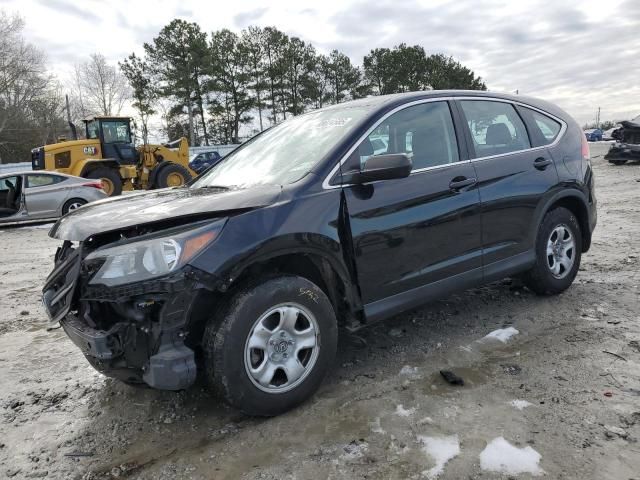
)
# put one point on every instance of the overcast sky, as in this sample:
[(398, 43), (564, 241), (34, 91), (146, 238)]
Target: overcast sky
[(580, 55)]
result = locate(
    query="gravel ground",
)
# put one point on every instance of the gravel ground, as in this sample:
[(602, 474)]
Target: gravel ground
[(560, 398)]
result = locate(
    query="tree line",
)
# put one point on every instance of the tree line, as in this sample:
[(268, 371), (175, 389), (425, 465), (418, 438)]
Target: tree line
[(217, 87), (219, 82)]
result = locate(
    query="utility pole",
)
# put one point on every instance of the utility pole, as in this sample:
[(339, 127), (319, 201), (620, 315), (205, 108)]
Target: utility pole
[(598, 119), (74, 133), (192, 136)]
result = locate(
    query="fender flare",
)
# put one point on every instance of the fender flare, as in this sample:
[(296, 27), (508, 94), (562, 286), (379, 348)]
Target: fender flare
[(336, 262), (583, 217)]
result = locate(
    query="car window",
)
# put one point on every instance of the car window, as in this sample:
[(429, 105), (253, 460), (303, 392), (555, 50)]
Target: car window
[(287, 152), (495, 127), (423, 131), (42, 180), (548, 128), (8, 183)]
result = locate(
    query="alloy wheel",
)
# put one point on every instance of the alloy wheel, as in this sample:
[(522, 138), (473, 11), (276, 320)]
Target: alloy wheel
[(561, 251), (282, 348), (74, 206)]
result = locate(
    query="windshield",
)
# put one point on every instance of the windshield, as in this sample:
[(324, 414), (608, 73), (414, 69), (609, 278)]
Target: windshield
[(287, 152), (116, 131)]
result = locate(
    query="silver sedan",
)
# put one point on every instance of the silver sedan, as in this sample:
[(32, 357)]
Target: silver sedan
[(28, 196)]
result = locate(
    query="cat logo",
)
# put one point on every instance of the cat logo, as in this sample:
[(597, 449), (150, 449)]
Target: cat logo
[(90, 150)]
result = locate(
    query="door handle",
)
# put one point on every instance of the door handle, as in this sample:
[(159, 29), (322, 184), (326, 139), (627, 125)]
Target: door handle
[(541, 163), (459, 183)]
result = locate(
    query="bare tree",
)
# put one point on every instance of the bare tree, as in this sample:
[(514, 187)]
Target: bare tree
[(29, 103), (101, 89)]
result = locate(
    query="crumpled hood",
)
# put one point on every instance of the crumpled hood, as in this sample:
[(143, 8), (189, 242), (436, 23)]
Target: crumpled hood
[(152, 206)]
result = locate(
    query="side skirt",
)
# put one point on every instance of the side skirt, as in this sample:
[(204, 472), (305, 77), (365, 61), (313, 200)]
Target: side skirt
[(416, 297)]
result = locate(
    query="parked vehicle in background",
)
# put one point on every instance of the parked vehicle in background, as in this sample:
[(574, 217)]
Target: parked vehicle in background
[(108, 153), (199, 162), (593, 135), (607, 135), (246, 273), (627, 145), (26, 196)]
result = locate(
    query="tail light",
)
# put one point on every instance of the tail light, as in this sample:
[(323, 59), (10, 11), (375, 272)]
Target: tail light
[(96, 184), (585, 148)]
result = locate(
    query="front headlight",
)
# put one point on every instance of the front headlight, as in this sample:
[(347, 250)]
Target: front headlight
[(152, 257)]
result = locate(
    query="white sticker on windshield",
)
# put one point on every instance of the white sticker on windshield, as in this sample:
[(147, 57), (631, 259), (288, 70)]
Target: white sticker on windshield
[(330, 122)]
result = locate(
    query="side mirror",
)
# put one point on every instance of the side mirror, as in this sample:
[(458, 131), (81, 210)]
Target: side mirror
[(389, 166)]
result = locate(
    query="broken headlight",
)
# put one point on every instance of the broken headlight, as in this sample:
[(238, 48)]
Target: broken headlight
[(152, 257)]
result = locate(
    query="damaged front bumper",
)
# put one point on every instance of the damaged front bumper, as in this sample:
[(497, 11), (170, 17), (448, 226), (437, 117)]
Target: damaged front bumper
[(622, 152), (137, 333)]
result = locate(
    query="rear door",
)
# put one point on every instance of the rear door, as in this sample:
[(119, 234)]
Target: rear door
[(513, 177), (44, 195), (412, 233)]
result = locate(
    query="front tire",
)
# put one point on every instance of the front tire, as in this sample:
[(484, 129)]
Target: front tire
[(558, 252), (271, 347), (72, 205), (172, 175)]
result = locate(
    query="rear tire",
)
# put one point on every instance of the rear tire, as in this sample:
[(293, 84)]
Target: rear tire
[(111, 181), (172, 175), (270, 348), (558, 252), (73, 204)]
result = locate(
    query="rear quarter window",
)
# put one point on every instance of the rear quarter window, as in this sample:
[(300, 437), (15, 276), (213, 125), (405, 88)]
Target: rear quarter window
[(545, 129)]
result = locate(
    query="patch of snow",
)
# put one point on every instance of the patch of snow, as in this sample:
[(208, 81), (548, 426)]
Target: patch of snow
[(502, 334), (520, 404), (441, 450), (501, 457), (409, 370), (401, 411), (425, 421)]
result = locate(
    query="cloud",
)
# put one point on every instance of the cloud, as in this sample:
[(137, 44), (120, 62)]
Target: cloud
[(552, 51), (244, 19), (578, 55), (71, 8)]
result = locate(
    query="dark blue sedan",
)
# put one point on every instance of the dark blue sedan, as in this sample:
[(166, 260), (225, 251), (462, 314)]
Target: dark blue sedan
[(593, 135), (199, 162)]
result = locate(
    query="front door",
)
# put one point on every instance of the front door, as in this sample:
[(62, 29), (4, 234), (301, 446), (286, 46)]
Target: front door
[(513, 179), (417, 231), (11, 198)]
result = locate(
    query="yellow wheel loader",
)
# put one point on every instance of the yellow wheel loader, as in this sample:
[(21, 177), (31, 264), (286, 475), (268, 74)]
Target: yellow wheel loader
[(108, 154)]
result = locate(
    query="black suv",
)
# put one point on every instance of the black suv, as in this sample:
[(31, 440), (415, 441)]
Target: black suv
[(335, 218)]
